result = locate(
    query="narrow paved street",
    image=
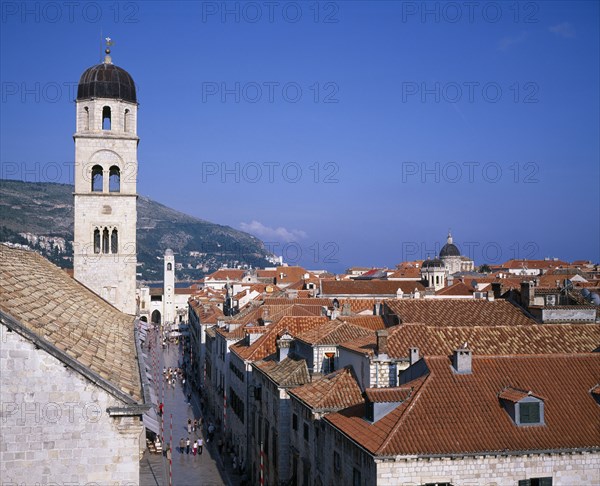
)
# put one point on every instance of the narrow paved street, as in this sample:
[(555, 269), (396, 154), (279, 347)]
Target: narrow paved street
[(204, 469)]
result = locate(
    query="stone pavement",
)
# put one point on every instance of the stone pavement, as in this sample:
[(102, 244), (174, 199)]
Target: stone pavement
[(207, 469)]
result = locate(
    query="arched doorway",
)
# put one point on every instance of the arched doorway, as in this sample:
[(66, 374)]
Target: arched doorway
[(156, 317)]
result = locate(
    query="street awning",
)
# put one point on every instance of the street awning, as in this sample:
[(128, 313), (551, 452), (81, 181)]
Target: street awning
[(151, 421)]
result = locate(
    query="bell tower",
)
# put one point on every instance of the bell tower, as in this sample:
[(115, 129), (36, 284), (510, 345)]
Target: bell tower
[(104, 248)]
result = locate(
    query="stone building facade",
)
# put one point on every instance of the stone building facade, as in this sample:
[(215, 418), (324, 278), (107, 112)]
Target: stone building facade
[(71, 392), (58, 427)]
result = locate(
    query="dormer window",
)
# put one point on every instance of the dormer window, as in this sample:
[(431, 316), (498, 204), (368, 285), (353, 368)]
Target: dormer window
[(530, 412), (524, 407)]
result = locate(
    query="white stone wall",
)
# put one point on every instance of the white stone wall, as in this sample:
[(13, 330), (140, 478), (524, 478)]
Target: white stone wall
[(169, 287), (112, 276), (54, 427), (565, 470)]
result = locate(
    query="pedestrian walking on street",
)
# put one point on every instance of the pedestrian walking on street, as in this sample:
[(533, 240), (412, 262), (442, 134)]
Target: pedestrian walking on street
[(195, 448), (195, 425), (200, 444), (187, 445), (181, 445), (189, 426)]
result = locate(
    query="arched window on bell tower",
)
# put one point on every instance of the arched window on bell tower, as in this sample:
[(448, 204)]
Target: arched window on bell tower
[(114, 241), (86, 122), (169, 267), (114, 181), (106, 118), (96, 240), (126, 118), (97, 178), (105, 241)]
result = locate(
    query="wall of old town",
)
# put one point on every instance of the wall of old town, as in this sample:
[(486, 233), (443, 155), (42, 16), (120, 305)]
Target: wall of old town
[(54, 425)]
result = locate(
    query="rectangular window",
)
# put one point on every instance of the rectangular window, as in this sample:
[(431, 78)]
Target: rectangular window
[(305, 431), (536, 482), (336, 461), (529, 413), (355, 477), (294, 421)]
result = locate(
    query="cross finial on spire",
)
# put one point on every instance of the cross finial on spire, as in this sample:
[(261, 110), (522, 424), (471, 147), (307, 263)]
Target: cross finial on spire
[(107, 58)]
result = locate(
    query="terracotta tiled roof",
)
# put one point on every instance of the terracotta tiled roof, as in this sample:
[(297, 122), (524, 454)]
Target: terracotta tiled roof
[(66, 314), (410, 272), (388, 395), (358, 305), (266, 344), (287, 373), (368, 287), (514, 395), (307, 301), (455, 414), (232, 274), (455, 312), (457, 288), (533, 264), (368, 322), (290, 274), (332, 392), (185, 290), (333, 333), (485, 340), (207, 313)]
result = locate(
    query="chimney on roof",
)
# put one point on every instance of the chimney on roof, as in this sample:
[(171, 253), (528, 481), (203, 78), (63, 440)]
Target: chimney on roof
[(413, 355), (527, 293), (490, 296), (382, 336), (283, 346), (346, 309), (265, 316), (462, 360), (252, 337)]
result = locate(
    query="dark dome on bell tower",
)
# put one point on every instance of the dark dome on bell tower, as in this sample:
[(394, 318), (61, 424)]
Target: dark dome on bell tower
[(106, 81)]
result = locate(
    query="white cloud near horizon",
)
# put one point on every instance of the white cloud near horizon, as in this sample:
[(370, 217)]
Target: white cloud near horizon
[(564, 29), (279, 234), (512, 40)]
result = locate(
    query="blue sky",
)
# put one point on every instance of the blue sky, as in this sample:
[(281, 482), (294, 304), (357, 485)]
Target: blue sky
[(342, 133)]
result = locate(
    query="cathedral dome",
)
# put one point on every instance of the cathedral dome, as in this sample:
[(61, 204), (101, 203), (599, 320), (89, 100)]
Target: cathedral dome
[(449, 249), (106, 81)]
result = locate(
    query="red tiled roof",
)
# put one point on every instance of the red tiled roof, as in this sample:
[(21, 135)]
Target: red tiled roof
[(455, 312), (388, 395), (457, 288), (332, 392), (333, 333), (484, 340), (515, 395), (308, 301), (226, 273), (286, 373), (409, 272), (533, 264), (368, 287), (455, 414), (266, 344), (290, 274), (368, 322)]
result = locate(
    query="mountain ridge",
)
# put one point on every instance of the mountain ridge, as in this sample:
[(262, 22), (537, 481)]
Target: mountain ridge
[(40, 215)]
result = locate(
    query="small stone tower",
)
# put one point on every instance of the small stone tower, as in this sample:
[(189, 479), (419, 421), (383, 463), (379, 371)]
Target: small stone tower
[(106, 141), (169, 286)]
